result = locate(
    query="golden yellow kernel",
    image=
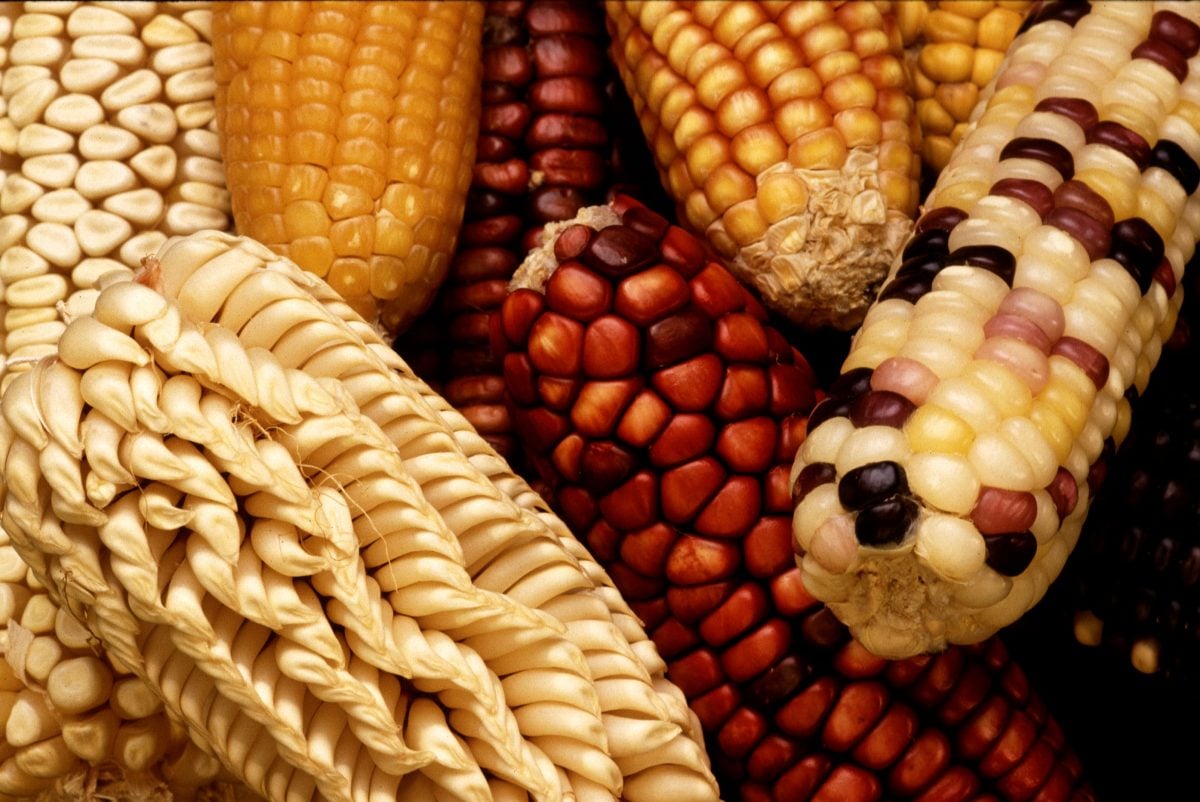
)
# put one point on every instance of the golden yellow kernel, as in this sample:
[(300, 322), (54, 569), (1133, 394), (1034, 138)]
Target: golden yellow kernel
[(948, 26), (933, 118), (772, 59), (957, 99), (859, 128), (1056, 432), (742, 108), (910, 19), (936, 150), (314, 254), (667, 27), (797, 18), (1123, 421), (387, 276), (819, 150), (703, 59), (744, 224), (853, 91), (885, 71), (726, 185), (894, 105), (350, 276), (660, 85), (693, 124), (895, 156), (758, 147), (678, 100), (800, 117), (780, 196), (392, 236), (1135, 119), (1108, 185), (975, 9), (1067, 403), (922, 85), (679, 181), (998, 28), (961, 195), (305, 218), (687, 41), (837, 64), (697, 211), (1007, 391), (931, 428), (822, 39), (870, 43), (1157, 212), (754, 39), (705, 155), (663, 146), (353, 237), (311, 147), (796, 83), (718, 82), (735, 21), (947, 62), (900, 192)]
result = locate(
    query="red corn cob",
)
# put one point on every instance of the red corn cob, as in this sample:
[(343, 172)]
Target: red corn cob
[(664, 411)]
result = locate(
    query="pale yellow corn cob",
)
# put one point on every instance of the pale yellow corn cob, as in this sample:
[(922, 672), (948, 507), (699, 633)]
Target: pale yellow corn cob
[(945, 481), (349, 133), (785, 133), (953, 49), (108, 123)]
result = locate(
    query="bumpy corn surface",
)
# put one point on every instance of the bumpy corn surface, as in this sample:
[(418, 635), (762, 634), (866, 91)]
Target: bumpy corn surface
[(665, 412), (953, 49), (785, 133), (945, 481), (348, 131), (108, 133)]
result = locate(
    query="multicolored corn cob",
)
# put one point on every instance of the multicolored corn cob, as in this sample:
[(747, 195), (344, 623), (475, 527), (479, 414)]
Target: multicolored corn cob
[(785, 133), (348, 131), (664, 411), (953, 49), (945, 481)]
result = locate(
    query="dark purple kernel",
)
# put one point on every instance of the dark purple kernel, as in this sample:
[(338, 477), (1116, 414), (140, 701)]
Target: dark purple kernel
[(1035, 193), (851, 384), (1094, 237), (991, 258), (1078, 195), (944, 218), (676, 338), (1139, 249), (1082, 112), (1176, 161), (924, 266), (811, 477), (1165, 55), (1068, 11), (910, 289), (780, 683), (1063, 492), (881, 408), (646, 221), (829, 408), (1093, 363), (871, 483), (885, 523), (1122, 140), (932, 242), (1180, 31), (617, 251), (1043, 150), (1010, 553)]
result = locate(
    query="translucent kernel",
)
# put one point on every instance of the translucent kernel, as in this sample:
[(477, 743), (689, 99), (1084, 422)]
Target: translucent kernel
[(985, 589), (1046, 524), (943, 481), (814, 510), (1024, 437), (1007, 392), (934, 429), (871, 444), (985, 288), (1000, 463), (823, 443), (951, 546), (967, 400), (945, 359)]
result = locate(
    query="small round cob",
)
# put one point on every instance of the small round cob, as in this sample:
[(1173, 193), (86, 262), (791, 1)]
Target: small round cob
[(944, 482)]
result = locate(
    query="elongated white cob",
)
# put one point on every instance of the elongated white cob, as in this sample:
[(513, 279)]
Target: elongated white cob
[(944, 482)]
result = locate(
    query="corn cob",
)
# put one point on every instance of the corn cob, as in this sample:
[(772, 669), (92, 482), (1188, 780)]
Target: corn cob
[(349, 131), (785, 134), (202, 615), (953, 49), (108, 127), (945, 481), (665, 413)]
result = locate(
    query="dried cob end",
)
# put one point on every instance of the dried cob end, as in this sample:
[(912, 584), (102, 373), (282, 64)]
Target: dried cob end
[(956, 456), (785, 134), (953, 50)]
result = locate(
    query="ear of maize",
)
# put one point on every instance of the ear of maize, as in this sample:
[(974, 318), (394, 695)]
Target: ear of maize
[(108, 128), (348, 131), (284, 540), (953, 49), (945, 481), (785, 134), (686, 504)]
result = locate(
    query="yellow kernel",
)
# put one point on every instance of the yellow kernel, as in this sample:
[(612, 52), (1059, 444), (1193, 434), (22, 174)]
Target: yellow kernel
[(799, 117), (859, 16), (686, 42), (1120, 196), (754, 39), (933, 117), (819, 150), (961, 195), (705, 155), (947, 62), (406, 202), (350, 276), (850, 92), (726, 185), (798, 82), (718, 82), (957, 99), (987, 63), (998, 28), (1132, 117), (742, 108), (681, 98), (933, 429), (735, 21), (1155, 211), (708, 57), (314, 254), (835, 65), (895, 156), (772, 59), (346, 200), (858, 127), (679, 182), (910, 19), (884, 70), (1056, 432), (665, 30), (1123, 420), (870, 43), (900, 192), (305, 218), (392, 236), (1007, 391), (698, 212), (923, 86), (758, 147), (304, 182), (353, 237), (796, 18), (744, 223), (693, 124), (1066, 403), (949, 26), (782, 195), (894, 105), (823, 39)]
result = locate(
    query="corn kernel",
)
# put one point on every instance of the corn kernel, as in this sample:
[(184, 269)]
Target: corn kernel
[(819, 150), (775, 58), (782, 195), (800, 117), (744, 223), (933, 429), (758, 147)]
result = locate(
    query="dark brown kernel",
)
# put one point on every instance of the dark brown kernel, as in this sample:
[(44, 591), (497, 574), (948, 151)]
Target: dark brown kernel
[(1139, 248), (575, 94), (646, 221), (1043, 150), (691, 604), (676, 338), (1165, 55), (881, 408), (519, 379), (1078, 195), (909, 289), (922, 267), (1010, 553), (1095, 238), (604, 465), (991, 258), (569, 167), (791, 388), (851, 384), (617, 251), (1121, 139), (1076, 109), (781, 682), (550, 204), (944, 218), (1176, 161), (565, 131), (1180, 31), (1034, 193), (886, 522), (930, 242), (812, 476), (567, 54), (829, 408), (1165, 275)]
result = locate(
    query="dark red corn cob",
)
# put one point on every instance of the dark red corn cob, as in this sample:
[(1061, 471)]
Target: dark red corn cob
[(545, 150), (664, 411)]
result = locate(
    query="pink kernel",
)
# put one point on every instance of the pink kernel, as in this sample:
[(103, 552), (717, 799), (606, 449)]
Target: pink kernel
[(1030, 364), (1030, 74), (999, 511), (834, 544), (1036, 307), (906, 377), (1017, 327)]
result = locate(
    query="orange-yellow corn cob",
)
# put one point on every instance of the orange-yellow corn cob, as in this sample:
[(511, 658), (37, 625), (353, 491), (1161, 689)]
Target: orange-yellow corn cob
[(785, 133), (348, 131), (953, 49)]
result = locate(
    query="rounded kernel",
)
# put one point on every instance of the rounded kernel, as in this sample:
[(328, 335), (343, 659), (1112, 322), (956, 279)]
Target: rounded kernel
[(951, 546)]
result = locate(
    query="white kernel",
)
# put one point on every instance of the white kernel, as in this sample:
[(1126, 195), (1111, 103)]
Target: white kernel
[(823, 585), (986, 289), (39, 140), (951, 546), (142, 207), (39, 291), (99, 178), (949, 325), (20, 317), (1093, 328), (60, 206), (942, 301), (8, 131), (943, 481), (887, 334), (886, 310), (868, 355), (142, 86), (100, 232), (1026, 438), (1018, 601), (985, 589), (1052, 126), (1028, 169), (1045, 523), (101, 142), (88, 271), (156, 165), (208, 144), (27, 105), (200, 20), (140, 11), (165, 30), (55, 170), (834, 544), (28, 26), (945, 359), (823, 443), (54, 241), (12, 230), (205, 195), (139, 246), (1010, 219), (18, 194), (188, 218), (41, 50), (871, 444), (195, 115), (967, 400), (999, 463), (815, 509), (88, 74), (92, 20), (154, 122), (178, 58), (203, 169), (38, 340), (17, 77), (19, 262), (122, 48), (191, 85), (74, 113), (1110, 160)]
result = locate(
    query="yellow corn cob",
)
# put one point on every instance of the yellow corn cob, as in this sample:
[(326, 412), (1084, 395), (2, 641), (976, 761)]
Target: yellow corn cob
[(272, 396), (348, 131), (785, 133), (953, 49), (108, 128), (945, 481)]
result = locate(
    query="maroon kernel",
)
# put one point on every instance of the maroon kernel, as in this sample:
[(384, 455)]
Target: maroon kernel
[(768, 547), (646, 550), (685, 437), (758, 651), (1078, 195), (633, 505), (567, 54), (1165, 55), (717, 292), (611, 348), (646, 221), (741, 338), (519, 311), (1121, 139), (604, 465), (690, 604), (998, 511), (683, 251), (792, 388), (881, 408), (1010, 553), (556, 393), (1180, 31), (651, 294), (572, 241), (519, 379), (944, 218), (1078, 110), (741, 733), (1091, 361), (1165, 275), (812, 476), (565, 130), (577, 292), (687, 488), (1094, 237), (692, 385), (1064, 492), (676, 338), (743, 393), (1034, 193), (1043, 150)]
